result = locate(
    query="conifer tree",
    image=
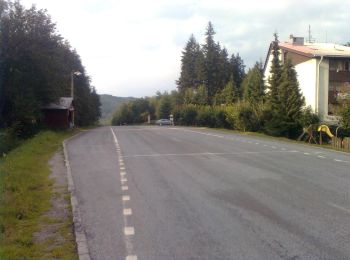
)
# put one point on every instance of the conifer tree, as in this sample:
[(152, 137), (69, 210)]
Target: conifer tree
[(211, 51), (3, 6), (238, 73), (191, 66), (274, 79), (226, 95), (225, 73), (253, 85), (290, 96)]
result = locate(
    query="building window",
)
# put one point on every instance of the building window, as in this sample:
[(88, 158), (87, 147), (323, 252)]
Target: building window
[(338, 93), (333, 65)]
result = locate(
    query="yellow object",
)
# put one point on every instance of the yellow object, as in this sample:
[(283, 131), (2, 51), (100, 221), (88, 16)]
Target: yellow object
[(325, 128)]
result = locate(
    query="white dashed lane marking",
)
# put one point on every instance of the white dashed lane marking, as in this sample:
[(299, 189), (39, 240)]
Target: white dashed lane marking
[(129, 231), (126, 198), (127, 211)]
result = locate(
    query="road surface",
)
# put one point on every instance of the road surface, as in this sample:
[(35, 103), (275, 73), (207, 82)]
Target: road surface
[(193, 193)]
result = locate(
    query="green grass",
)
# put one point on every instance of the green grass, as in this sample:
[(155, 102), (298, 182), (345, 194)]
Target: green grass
[(25, 193)]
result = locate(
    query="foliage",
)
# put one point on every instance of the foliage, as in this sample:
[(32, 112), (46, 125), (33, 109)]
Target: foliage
[(109, 104), (290, 96), (274, 79), (25, 192), (35, 70), (187, 115), (240, 116), (133, 112), (238, 73), (205, 116), (164, 109), (253, 85), (209, 66), (345, 115), (227, 95), (191, 66), (308, 117), (284, 98)]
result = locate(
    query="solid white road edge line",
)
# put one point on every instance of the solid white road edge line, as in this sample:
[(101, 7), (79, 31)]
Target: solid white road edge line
[(80, 236)]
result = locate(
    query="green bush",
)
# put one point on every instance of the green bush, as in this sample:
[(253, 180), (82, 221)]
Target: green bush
[(240, 116), (345, 114), (188, 115), (308, 117), (220, 117), (278, 125), (206, 116), (8, 141)]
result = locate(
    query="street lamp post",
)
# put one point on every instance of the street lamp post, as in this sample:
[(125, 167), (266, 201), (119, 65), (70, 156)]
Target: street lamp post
[(73, 73)]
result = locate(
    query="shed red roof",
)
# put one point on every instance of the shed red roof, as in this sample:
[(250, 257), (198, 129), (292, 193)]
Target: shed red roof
[(62, 103)]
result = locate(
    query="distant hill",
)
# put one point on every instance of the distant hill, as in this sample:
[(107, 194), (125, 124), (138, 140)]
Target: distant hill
[(109, 104)]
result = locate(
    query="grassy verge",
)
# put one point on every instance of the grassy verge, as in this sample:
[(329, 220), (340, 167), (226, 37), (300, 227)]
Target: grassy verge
[(25, 193)]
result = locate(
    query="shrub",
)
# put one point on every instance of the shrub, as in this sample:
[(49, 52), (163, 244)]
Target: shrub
[(240, 116), (205, 116), (279, 125), (308, 117), (220, 117), (188, 115), (345, 115)]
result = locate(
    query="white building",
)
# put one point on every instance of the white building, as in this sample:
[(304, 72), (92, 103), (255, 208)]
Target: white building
[(323, 71)]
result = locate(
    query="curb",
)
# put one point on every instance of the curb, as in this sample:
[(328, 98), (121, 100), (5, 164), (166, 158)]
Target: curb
[(80, 237)]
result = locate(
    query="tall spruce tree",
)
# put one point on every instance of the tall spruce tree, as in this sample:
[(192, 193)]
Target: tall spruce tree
[(3, 7), (274, 79), (290, 96), (225, 73), (237, 73), (211, 52), (253, 85), (191, 66)]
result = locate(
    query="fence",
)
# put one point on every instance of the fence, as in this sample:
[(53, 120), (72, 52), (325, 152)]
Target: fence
[(341, 143)]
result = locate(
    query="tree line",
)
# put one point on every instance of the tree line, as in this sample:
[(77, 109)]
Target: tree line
[(36, 63), (214, 90)]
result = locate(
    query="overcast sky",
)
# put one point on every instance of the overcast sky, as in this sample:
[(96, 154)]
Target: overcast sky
[(133, 47)]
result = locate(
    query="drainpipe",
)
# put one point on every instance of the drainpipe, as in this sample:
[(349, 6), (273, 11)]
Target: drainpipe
[(318, 85)]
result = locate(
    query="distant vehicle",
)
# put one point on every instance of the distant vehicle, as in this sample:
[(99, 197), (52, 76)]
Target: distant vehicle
[(163, 122)]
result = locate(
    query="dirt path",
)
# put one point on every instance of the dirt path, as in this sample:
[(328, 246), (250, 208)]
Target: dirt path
[(56, 237)]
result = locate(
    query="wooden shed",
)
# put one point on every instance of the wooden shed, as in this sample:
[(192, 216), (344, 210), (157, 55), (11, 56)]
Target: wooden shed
[(59, 114)]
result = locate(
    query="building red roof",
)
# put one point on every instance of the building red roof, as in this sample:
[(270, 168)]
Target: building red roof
[(317, 49)]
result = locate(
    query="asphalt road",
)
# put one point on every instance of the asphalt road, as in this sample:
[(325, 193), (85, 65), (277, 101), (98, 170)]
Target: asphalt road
[(191, 193)]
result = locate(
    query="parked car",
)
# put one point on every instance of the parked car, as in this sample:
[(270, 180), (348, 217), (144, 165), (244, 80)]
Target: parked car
[(163, 122)]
